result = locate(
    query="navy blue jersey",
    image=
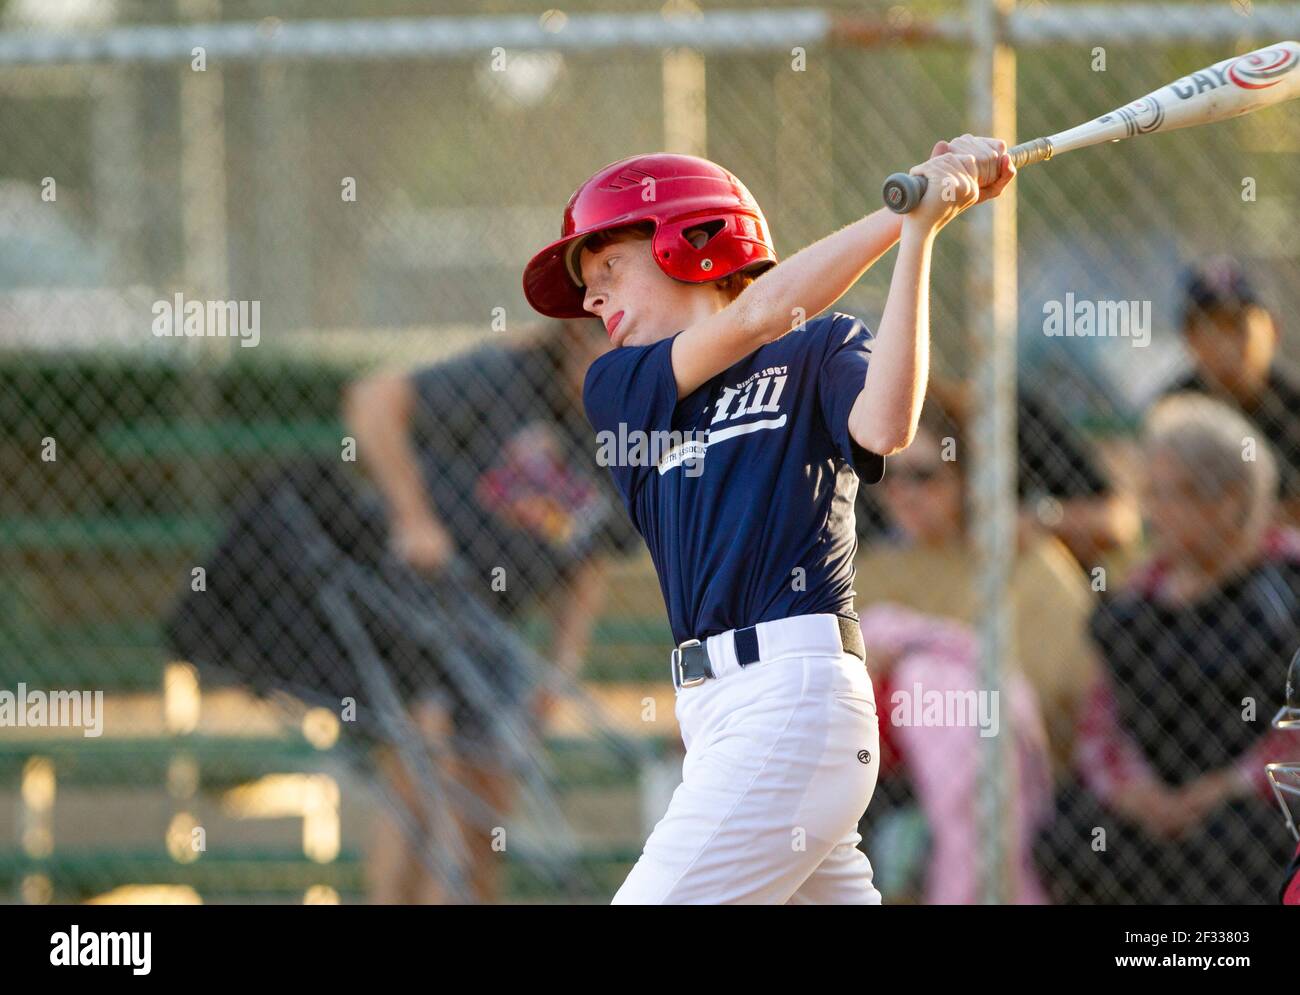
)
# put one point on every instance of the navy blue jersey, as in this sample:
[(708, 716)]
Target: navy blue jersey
[(744, 489)]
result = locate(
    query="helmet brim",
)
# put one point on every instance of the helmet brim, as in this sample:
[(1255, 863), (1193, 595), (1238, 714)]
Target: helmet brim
[(549, 287)]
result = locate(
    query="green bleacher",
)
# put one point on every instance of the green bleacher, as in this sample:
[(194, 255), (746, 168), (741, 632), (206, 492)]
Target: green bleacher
[(94, 547)]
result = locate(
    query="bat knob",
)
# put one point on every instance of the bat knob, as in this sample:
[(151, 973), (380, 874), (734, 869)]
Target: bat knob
[(903, 191)]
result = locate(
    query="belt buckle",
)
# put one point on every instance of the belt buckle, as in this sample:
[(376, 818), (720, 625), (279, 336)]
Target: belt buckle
[(682, 680)]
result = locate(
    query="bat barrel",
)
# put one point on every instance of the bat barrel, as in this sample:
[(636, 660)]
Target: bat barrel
[(1237, 85)]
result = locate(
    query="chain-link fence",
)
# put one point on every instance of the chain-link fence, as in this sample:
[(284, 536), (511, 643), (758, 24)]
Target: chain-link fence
[(301, 495)]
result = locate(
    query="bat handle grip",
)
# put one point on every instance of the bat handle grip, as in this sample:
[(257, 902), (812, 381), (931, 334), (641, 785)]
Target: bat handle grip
[(1028, 153), (903, 191)]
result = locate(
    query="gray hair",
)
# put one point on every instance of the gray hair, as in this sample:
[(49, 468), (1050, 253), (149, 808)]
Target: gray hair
[(1210, 439)]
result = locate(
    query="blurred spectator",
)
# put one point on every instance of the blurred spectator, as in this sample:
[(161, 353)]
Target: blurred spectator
[(936, 660), (933, 570), (488, 458), (1172, 746), (1062, 485), (1233, 343)]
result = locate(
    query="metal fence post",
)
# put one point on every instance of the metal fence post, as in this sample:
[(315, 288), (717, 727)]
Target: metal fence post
[(992, 282)]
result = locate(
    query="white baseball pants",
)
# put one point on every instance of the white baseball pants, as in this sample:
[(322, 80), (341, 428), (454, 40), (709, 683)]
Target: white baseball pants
[(781, 761)]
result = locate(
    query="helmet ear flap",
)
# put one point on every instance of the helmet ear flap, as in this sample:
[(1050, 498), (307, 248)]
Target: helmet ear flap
[(686, 250), (700, 235)]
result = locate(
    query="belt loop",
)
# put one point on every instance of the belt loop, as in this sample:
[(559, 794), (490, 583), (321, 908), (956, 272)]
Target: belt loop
[(746, 641), (851, 637)]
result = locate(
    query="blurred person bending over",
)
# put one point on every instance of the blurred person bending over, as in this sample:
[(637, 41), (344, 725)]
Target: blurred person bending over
[(1174, 740), (487, 458), (1233, 340)]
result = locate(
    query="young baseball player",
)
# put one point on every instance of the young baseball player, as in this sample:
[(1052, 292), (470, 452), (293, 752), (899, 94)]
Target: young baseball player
[(737, 415)]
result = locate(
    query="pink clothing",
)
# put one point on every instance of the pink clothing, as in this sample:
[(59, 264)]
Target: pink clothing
[(938, 662)]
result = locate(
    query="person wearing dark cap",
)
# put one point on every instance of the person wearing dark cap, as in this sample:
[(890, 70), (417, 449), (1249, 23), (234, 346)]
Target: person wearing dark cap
[(1233, 343)]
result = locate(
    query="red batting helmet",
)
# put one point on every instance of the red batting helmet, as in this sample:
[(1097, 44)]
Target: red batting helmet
[(680, 194)]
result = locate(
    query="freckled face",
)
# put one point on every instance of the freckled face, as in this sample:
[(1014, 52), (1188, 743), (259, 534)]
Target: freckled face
[(636, 300)]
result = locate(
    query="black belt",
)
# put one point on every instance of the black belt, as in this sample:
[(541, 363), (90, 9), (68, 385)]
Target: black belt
[(691, 659)]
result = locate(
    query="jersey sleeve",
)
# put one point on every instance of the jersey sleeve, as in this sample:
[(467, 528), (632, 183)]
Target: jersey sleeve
[(628, 394), (839, 382)]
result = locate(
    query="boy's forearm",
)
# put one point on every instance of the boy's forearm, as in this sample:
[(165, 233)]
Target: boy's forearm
[(885, 415), (816, 277)]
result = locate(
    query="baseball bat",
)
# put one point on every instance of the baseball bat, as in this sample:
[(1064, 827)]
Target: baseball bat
[(1227, 89)]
